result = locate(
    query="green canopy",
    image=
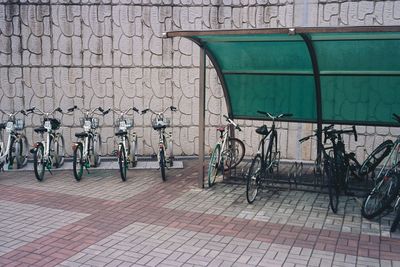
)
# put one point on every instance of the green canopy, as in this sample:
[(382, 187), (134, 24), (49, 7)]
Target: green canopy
[(347, 75)]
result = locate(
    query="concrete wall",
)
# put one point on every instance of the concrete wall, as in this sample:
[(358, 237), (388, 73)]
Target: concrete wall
[(111, 53)]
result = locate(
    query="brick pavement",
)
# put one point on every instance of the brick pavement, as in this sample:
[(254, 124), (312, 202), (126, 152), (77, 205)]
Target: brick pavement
[(102, 221)]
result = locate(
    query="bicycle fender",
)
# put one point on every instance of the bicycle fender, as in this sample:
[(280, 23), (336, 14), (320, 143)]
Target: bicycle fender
[(75, 145)]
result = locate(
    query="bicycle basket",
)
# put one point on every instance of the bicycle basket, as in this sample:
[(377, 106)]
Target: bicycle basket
[(55, 124), (158, 124), (95, 123), (125, 123), (19, 124)]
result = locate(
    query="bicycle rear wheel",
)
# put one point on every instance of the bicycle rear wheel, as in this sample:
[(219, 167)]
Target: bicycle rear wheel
[(78, 162), (214, 165), (333, 183), (21, 151), (122, 162), (381, 196), (234, 153), (96, 142), (39, 162), (396, 220), (162, 164), (254, 179), (59, 150), (375, 158)]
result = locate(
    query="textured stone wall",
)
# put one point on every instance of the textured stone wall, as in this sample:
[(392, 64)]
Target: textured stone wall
[(111, 53)]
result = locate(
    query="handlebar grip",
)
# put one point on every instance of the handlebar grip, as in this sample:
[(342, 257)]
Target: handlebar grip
[(262, 112), (226, 117), (144, 111), (304, 139), (72, 109), (101, 109), (107, 111), (135, 109), (328, 127), (355, 133), (287, 115), (59, 110), (173, 108), (238, 128), (23, 112), (30, 109)]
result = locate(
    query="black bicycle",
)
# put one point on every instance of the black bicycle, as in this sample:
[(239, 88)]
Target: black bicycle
[(263, 164), (341, 167)]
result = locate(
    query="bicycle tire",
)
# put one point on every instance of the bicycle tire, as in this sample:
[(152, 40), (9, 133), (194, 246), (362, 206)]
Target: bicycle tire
[(375, 158), (213, 165), (59, 150), (123, 164), (396, 220), (38, 162), (21, 151), (162, 164), (333, 186), (382, 195), (254, 179), (234, 153), (133, 152), (96, 150), (78, 162)]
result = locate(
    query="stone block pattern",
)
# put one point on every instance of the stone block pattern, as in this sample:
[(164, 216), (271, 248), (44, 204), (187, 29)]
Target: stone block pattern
[(111, 53)]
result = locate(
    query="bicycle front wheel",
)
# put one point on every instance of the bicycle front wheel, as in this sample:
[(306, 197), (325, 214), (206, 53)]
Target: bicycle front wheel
[(21, 151), (78, 162), (375, 158), (122, 162), (59, 150), (214, 165), (254, 179), (333, 184), (234, 153), (381, 196), (39, 162), (162, 164)]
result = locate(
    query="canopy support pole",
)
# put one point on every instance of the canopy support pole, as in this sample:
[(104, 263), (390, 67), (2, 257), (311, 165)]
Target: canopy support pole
[(202, 111), (318, 95)]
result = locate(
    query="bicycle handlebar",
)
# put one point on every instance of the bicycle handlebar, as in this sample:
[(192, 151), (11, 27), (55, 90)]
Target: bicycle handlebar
[(12, 113), (89, 112), (282, 115), (40, 112), (144, 111), (233, 123)]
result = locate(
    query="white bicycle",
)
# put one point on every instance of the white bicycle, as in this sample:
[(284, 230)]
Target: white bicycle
[(15, 150), (127, 141), (159, 123)]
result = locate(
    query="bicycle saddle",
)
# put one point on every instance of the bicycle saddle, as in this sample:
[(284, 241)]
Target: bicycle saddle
[(2, 125), (40, 130), (263, 130), (221, 129), (81, 135), (121, 133)]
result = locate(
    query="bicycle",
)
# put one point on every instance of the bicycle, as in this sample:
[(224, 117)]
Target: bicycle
[(341, 166), (86, 151), (264, 162), (50, 151), (159, 123), (227, 153), (387, 184), (126, 152), (16, 148)]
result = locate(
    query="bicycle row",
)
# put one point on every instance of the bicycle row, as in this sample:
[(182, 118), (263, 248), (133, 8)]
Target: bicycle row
[(336, 168), (49, 151)]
